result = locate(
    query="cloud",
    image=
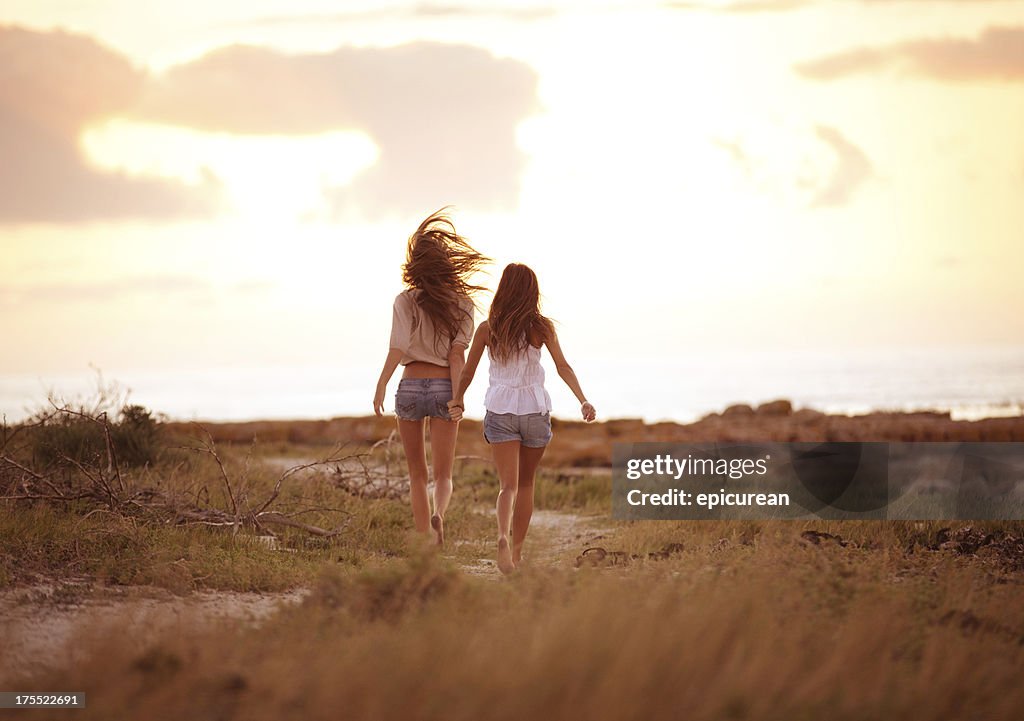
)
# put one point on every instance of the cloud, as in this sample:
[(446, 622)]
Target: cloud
[(852, 169), (741, 6), (505, 12), (996, 54), (756, 6), (420, 11), (51, 86), (819, 168), (768, 6), (443, 117), (934, 2)]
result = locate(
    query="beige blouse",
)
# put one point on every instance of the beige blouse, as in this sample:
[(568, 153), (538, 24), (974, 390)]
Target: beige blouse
[(413, 333)]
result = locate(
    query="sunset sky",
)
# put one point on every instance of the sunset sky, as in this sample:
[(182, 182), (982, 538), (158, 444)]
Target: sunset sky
[(189, 185)]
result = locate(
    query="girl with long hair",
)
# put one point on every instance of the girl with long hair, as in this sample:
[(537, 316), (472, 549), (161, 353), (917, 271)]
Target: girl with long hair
[(432, 323), (517, 422)]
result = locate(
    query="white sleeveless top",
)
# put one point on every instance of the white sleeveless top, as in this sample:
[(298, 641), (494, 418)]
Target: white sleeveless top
[(517, 384)]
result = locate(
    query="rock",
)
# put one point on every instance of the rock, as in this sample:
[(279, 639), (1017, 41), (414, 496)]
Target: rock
[(625, 427), (666, 552), (741, 410), (776, 408), (815, 538), (597, 556)]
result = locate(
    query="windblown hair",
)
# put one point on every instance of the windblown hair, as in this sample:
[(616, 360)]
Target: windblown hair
[(439, 263), (515, 314)]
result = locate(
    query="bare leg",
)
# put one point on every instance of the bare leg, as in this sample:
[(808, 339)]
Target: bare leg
[(506, 458), (529, 460), (416, 456), (442, 450)]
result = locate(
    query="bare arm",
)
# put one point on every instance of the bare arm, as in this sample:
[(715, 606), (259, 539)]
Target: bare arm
[(401, 322), (567, 374), (457, 405), (456, 362), (390, 363)]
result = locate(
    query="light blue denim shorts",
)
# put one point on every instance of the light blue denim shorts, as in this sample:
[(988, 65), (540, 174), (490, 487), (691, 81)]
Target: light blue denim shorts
[(419, 398), (533, 430)]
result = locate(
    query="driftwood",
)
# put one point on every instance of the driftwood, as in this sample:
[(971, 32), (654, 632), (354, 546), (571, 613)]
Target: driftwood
[(257, 515), (380, 473), (215, 517)]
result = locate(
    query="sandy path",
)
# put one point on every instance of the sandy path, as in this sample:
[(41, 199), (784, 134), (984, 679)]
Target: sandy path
[(40, 623), (554, 540), (39, 628)]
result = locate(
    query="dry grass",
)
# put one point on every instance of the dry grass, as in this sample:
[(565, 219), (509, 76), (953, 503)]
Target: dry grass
[(738, 620), (134, 545), (773, 629)]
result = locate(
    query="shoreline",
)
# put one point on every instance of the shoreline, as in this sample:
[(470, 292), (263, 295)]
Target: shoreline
[(579, 444)]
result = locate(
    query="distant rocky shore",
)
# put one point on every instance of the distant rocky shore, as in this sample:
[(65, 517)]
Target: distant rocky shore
[(580, 444)]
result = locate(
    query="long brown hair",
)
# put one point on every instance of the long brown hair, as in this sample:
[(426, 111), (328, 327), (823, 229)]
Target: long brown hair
[(515, 312), (439, 262)]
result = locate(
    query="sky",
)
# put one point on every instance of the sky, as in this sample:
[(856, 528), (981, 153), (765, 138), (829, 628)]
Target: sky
[(224, 185)]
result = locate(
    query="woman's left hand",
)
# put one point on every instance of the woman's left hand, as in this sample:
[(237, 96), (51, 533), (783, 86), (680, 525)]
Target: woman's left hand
[(455, 408), (588, 411), (378, 402)]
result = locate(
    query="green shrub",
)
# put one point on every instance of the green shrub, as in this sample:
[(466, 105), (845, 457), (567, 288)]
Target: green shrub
[(135, 434)]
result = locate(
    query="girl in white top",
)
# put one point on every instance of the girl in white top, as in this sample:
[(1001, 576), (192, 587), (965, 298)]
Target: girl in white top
[(517, 423)]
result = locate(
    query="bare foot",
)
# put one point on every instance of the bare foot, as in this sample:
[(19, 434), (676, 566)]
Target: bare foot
[(505, 564), (517, 556), (437, 523)]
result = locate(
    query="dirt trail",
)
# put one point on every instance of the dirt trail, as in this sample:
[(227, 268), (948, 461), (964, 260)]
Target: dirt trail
[(555, 538), (39, 624)]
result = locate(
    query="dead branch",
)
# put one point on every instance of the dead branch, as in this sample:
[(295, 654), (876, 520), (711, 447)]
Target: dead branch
[(98, 481), (9, 435), (47, 497), (23, 469), (272, 517), (318, 509), (103, 484), (368, 481), (209, 517), (210, 447), (331, 458), (112, 465)]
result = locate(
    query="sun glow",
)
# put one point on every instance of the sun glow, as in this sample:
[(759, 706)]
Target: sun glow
[(262, 175)]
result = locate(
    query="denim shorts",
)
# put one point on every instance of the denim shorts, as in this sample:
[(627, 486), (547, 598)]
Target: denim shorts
[(533, 430), (419, 398)]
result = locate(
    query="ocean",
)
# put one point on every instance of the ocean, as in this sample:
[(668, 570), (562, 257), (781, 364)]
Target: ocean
[(969, 383)]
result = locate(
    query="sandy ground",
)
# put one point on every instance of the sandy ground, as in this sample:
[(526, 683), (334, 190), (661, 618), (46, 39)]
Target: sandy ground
[(552, 533), (553, 540), (39, 624)]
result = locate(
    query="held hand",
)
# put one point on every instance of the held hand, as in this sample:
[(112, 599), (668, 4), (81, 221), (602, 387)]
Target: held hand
[(588, 411), (455, 408), (378, 402)]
